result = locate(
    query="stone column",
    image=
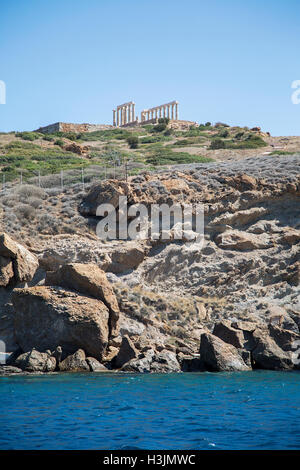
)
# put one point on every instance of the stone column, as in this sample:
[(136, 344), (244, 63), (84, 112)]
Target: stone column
[(133, 112), (164, 111), (118, 122), (114, 117), (176, 106)]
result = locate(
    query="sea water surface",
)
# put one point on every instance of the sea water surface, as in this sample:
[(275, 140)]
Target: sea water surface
[(247, 410)]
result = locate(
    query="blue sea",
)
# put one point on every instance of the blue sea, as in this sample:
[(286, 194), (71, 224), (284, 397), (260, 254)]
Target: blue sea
[(247, 410)]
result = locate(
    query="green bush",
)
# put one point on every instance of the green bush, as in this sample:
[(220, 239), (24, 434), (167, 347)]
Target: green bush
[(223, 133), (164, 120), (217, 144), (239, 135), (133, 142), (165, 156), (59, 142), (160, 127), (28, 135)]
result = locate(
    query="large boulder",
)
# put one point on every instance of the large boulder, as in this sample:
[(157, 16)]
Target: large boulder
[(126, 352), (107, 192), (89, 280), (216, 355), (141, 364), (47, 317), (74, 363), (164, 362), (17, 264), (35, 361), (126, 258), (268, 355), (228, 334), (156, 362), (285, 339), (95, 366)]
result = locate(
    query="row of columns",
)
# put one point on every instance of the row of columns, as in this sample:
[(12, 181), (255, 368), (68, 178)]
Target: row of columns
[(124, 114), (169, 110)]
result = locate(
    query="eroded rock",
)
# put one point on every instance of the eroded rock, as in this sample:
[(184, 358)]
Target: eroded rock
[(47, 317), (89, 280), (216, 355)]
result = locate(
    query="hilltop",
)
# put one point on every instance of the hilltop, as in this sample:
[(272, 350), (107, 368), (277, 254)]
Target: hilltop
[(30, 155)]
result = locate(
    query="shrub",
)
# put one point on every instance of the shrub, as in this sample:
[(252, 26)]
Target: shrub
[(217, 144), (133, 142), (239, 135), (164, 120), (224, 133), (24, 211), (35, 202), (208, 124), (28, 135), (165, 155), (160, 127), (48, 138), (28, 190), (59, 142)]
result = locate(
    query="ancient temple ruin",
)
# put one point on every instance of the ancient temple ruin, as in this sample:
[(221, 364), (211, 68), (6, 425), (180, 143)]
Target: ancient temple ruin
[(124, 114), (168, 110)]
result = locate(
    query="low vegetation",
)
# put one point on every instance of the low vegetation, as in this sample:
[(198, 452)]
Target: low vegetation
[(31, 154)]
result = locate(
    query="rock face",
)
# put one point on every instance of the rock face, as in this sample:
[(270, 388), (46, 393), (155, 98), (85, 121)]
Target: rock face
[(17, 264), (88, 279), (46, 317), (74, 363), (35, 361), (216, 355), (236, 300)]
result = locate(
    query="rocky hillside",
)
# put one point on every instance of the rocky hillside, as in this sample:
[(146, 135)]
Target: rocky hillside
[(159, 306)]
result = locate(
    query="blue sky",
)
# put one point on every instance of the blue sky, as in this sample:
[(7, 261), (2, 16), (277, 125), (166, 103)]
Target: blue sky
[(74, 60)]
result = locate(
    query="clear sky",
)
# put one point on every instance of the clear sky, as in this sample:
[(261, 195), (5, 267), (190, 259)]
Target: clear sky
[(75, 60)]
